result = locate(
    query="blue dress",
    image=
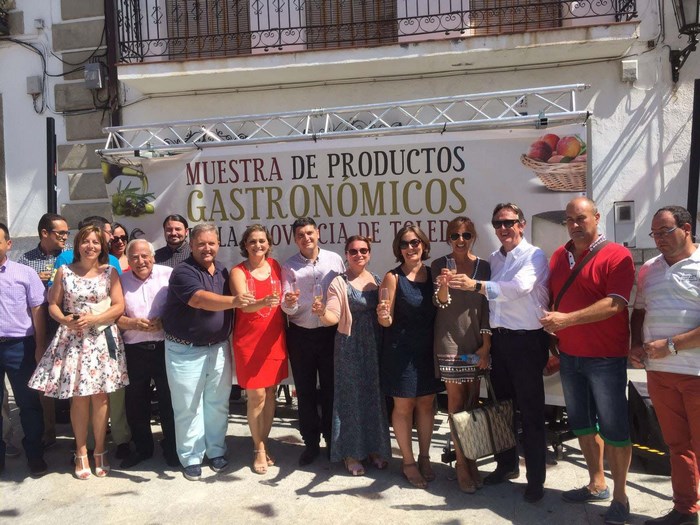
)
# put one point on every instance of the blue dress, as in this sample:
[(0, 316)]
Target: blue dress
[(407, 356), (360, 423)]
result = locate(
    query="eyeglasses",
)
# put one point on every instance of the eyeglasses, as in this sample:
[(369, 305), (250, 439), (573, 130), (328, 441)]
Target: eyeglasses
[(61, 233), (662, 233), (508, 223), (413, 243), (464, 235), (352, 251), (120, 238)]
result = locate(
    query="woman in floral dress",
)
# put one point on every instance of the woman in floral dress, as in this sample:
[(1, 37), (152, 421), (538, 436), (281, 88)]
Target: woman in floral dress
[(85, 360)]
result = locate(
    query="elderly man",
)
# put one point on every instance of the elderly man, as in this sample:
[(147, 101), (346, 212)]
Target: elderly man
[(176, 248), (22, 343), (519, 345), (53, 237), (666, 340), (591, 281), (145, 290), (197, 318), (309, 343)]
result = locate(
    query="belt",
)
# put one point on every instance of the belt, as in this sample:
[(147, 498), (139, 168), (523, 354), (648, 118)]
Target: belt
[(145, 345), (188, 343), (508, 331), (12, 339)]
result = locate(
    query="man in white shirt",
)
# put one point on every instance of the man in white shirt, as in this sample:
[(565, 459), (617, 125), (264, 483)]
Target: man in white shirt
[(309, 343), (666, 341), (517, 293)]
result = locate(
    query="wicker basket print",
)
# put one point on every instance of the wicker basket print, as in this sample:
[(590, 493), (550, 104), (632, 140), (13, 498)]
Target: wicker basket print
[(559, 162)]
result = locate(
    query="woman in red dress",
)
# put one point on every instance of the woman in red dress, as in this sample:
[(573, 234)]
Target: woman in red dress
[(259, 346)]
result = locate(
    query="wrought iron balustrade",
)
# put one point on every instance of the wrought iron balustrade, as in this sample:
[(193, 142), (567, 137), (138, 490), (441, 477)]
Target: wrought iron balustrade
[(154, 30)]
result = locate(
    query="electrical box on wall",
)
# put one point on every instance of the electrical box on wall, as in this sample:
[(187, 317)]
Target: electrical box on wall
[(624, 223), (94, 77), (34, 85)]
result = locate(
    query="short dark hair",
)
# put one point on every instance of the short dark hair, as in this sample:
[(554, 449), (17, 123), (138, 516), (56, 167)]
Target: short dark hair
[(47, 220), (301, 222), (419, 233), (248, 232), (4, 229), (93, 220), (510, 206), (176, 218), (103, 258), (680, 214)]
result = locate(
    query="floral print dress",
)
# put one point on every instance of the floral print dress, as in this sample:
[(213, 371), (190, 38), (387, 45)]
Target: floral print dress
[(78, 362)]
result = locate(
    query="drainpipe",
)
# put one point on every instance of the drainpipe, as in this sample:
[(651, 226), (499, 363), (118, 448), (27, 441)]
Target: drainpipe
[(694, 169), (51, 195), (110, 7)]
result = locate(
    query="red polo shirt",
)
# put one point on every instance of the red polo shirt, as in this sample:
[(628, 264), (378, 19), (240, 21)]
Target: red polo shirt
[(609, 272)]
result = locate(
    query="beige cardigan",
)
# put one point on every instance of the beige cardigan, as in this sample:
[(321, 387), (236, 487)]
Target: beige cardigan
[(337, 303)]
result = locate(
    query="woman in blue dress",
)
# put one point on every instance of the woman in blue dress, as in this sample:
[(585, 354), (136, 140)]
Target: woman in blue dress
[(407, 368)]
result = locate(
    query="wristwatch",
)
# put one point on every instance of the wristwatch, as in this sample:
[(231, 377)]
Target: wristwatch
[(671, 346), (477, 286)]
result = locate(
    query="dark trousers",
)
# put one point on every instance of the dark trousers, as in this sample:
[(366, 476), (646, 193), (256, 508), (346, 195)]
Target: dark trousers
[(311, 356), (17, 361), (518, 359), (146, 361)]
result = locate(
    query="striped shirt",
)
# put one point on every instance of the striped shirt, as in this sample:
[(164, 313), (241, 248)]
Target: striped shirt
[(670, 295), (20, 291), (40, 261)]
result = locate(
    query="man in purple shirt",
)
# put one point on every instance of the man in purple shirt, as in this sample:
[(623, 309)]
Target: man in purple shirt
[(22, 343), (145, 290), (197, 320)]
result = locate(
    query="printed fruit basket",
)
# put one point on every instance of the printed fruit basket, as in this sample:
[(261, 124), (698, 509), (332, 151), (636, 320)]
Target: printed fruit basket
[(560, 163)]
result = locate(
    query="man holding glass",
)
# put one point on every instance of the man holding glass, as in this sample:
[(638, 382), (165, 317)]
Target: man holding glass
[(592, 325), (517, 291), (307, 275)]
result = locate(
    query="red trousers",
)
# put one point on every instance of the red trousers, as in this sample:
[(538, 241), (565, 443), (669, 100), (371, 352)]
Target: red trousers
[(676, 399)]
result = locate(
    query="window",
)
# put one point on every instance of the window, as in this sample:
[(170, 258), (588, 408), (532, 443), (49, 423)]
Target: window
[(349, 23), (492, 17)]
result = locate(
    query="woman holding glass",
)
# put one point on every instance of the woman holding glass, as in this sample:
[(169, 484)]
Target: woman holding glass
[(407, 356), (259, 347), (360, 426), (120, 238), (85, 360), (462, 333)]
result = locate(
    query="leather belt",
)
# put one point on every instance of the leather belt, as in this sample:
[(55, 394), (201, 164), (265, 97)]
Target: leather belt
[(508, 331), (188, 343), (146, 345), (12, 339)]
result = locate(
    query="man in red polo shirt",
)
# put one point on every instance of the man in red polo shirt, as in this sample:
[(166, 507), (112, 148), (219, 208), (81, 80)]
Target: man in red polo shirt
[(592, 325)]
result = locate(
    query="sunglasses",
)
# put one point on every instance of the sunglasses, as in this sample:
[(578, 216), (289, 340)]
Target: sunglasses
[(120, 238), (464, 235), (352, 251), (413, 243), (508, 223), (61, 233)]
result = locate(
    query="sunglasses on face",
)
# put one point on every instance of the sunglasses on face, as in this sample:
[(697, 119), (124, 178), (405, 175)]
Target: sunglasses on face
[(413, 243), (120, 238), (508, 223), (464, 235), (352, 251), (61, 233)]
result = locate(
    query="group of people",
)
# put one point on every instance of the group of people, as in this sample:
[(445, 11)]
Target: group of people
[(353, 339)]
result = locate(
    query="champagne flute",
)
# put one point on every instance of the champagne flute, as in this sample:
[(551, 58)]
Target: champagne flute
[(318, 293), (250, 285), (275, 287), (384, 296), (451, 265)]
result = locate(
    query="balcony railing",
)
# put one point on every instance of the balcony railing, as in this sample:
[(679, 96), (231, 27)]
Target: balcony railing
[(157, 30)]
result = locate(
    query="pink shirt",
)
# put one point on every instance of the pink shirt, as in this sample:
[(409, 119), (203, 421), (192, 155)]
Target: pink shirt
[(145, 299), (20, 291)]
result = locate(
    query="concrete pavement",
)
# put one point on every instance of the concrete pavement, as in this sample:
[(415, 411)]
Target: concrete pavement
[(322, 492)]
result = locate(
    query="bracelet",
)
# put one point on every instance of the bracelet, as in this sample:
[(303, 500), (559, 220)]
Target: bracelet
[(439, 303), (485, 331)]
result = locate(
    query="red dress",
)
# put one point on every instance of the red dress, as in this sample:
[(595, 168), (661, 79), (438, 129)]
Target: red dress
[(259, 344)]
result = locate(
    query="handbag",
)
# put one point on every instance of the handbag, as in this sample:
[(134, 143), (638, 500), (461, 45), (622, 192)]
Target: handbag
[(485, 430)]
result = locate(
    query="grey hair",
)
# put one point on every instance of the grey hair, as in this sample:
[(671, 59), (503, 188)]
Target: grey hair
[(135, 241), (203, 228)]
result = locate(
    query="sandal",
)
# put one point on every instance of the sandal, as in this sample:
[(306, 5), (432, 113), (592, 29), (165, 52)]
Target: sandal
[(464, 479), (378, 461), (259, 468), (426, 469), (270, 460), (84, 472), (416, 479), (101, 470), (354, 467)]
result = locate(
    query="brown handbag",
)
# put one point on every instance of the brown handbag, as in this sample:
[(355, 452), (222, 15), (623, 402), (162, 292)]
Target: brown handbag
[(485, 430)]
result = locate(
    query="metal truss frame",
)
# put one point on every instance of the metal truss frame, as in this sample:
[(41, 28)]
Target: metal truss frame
[(554, 105)]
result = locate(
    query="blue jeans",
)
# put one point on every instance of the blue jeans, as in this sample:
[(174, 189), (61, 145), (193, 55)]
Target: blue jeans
[(200, 386), (595, 396), (17, 361)]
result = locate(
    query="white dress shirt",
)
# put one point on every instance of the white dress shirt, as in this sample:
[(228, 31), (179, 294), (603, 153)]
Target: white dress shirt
[(145, 299), (518, 289)]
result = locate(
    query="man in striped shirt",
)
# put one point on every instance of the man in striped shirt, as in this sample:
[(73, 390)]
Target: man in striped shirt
[(666, 341)]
